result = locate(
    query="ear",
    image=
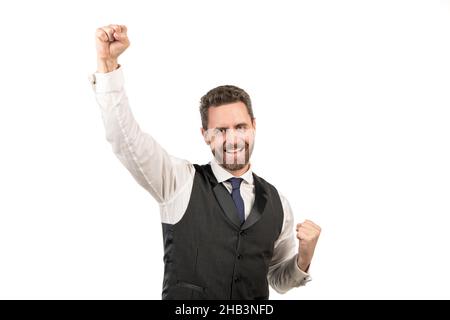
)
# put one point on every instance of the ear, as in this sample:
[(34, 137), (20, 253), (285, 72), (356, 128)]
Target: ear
[(254, 123), (203, 131)]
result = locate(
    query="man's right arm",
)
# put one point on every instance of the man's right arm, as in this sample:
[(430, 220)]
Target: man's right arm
[(152, 167)]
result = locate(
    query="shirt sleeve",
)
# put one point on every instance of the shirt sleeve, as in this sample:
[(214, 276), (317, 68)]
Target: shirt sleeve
[(284, 273), (161, 174)]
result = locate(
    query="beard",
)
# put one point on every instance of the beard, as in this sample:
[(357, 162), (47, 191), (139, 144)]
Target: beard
[(233, 161)]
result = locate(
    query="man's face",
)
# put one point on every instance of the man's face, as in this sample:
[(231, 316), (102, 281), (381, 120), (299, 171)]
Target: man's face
[(230, 134)]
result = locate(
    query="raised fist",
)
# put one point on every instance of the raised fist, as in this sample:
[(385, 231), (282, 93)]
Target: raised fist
[(111, 42), (307, 233)]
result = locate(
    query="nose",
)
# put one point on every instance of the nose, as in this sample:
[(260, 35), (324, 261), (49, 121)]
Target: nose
[(232, 135), (231, 132)]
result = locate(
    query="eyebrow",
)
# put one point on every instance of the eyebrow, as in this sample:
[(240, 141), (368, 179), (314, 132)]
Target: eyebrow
[(241, 124)]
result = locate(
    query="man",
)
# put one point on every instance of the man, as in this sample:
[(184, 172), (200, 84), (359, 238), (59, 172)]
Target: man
[(227, 232)]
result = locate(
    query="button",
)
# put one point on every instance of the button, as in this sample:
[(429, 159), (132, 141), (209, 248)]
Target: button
[(92, 79), (236, 279), (239, 257), (242, 233)]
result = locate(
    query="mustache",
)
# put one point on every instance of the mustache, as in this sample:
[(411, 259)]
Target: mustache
[(234, 146)]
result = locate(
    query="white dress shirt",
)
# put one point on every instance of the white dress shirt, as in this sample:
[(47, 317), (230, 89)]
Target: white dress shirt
[(169, 179)]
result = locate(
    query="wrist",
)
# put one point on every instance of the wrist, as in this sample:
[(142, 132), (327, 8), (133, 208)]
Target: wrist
[(106, 65), (303, 264)]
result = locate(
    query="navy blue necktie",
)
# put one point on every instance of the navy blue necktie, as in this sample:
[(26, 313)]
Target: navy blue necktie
[(237, 198)]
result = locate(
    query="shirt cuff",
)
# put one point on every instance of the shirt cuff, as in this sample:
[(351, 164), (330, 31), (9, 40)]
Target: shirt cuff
[(107, 82), (299, 276)]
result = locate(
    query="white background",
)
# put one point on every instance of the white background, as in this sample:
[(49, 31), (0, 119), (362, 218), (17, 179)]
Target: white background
[(352, 106)]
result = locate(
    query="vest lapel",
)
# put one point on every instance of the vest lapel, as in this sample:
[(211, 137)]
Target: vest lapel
[(224, 199), (227, 204), (228, 207), (259, 206)]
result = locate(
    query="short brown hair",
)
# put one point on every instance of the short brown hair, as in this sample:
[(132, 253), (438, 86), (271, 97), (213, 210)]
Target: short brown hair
[(220, 96)]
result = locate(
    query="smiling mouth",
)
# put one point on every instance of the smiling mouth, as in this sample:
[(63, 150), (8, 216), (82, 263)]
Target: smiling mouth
[(233, 151)]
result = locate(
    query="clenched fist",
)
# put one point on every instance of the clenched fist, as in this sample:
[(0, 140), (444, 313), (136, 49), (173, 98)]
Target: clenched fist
[(307, 233), (111, 42)]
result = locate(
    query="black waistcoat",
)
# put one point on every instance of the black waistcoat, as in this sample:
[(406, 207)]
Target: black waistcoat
[(208, 254)]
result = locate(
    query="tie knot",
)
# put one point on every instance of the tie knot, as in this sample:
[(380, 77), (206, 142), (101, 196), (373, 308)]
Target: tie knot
[(235, 182)]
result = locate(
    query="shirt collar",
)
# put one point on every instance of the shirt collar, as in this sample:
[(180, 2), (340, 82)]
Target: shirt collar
[(222, 175)]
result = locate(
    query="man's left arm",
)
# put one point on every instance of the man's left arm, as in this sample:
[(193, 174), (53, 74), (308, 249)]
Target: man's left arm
[(291, 260)]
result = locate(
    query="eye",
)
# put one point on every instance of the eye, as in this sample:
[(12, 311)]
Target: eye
[(241, 128)]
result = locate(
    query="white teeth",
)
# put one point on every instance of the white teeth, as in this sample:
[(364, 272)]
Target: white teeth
[(234, 150)]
